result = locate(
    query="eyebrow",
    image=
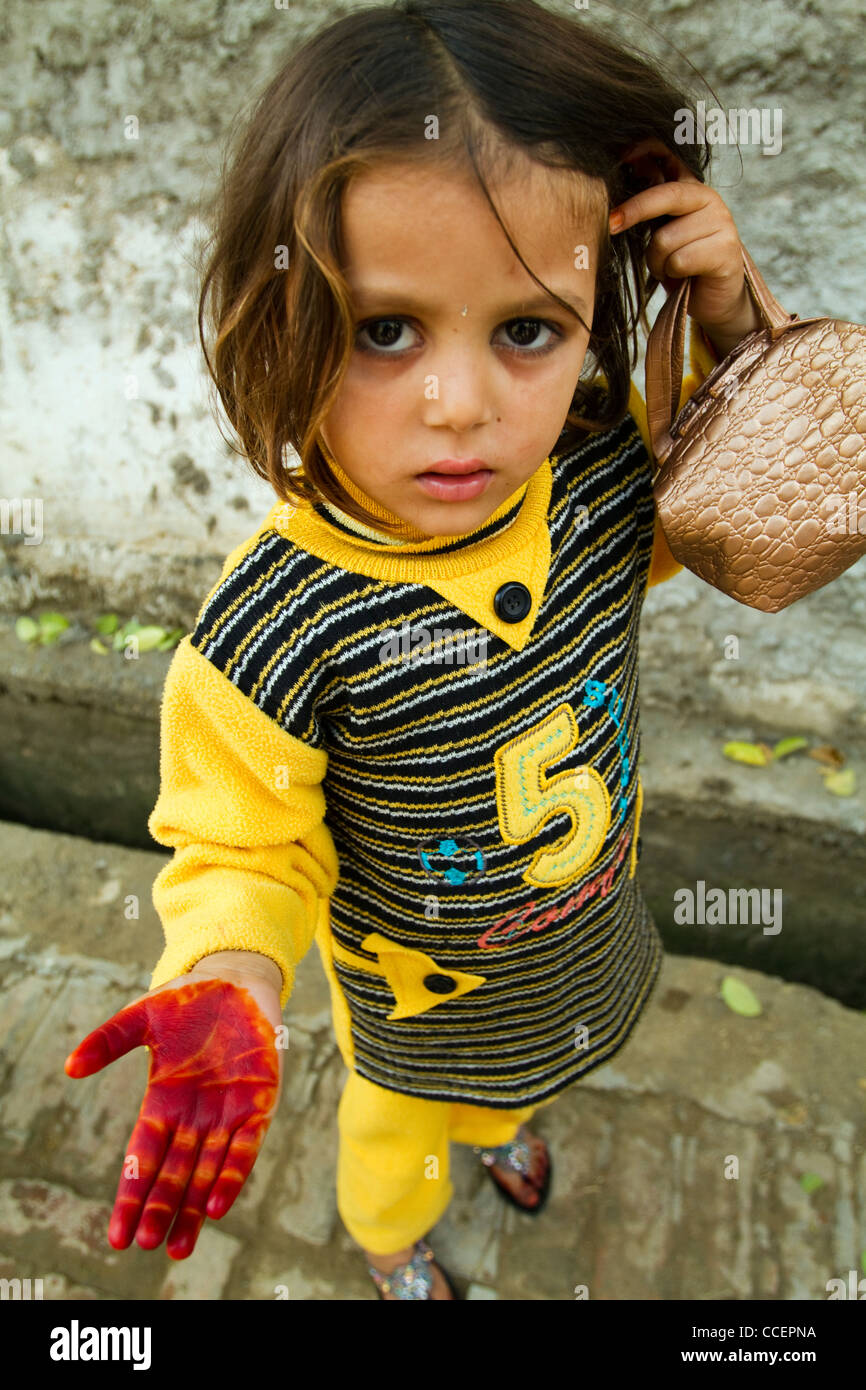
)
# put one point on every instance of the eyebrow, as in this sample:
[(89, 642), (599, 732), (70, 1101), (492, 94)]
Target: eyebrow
[(541, 303)]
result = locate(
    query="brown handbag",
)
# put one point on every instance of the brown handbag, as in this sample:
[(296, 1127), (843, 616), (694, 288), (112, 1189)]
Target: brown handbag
[(761, 477)]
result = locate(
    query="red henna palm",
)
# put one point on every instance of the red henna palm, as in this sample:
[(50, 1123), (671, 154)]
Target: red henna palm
[(211, 1091)]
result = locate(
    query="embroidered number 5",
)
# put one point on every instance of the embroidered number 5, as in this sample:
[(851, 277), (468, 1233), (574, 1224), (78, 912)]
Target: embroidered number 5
[(526, 797)]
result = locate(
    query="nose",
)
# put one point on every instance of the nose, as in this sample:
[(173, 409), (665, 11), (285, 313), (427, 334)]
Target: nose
[(458, 388)]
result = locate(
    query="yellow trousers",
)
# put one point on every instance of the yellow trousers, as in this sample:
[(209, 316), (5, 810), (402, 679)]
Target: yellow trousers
[(393, 1181)]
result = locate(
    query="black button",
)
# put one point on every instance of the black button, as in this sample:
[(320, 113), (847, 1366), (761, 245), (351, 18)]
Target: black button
[(440, 984), (512, 602)]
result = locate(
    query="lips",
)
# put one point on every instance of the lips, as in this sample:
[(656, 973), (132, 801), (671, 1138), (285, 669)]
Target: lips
[(450, 467), (464, 482)]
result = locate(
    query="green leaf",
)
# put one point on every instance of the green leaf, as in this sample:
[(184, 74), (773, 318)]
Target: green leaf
[(26, 630), (96, 646), (127, 629), (107, 624), (51, 625), (149, 638), (810, 1182), (739, 998), (53, 620), (841, 783), (746, 753), (170, 639), (789, 745), (863, 1260)]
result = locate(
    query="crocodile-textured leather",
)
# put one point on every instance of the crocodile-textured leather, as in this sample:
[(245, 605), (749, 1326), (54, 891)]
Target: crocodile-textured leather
[(761, 485)]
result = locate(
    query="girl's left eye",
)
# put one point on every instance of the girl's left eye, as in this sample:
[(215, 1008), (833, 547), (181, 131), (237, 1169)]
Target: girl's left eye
[(400, 323)]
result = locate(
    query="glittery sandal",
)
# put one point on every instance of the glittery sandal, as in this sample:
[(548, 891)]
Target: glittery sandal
[(412, 1280), (517, 1156)]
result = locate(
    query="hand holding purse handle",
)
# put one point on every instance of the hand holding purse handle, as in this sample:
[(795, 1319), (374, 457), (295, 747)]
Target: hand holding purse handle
[(665, 351), (760, 484)]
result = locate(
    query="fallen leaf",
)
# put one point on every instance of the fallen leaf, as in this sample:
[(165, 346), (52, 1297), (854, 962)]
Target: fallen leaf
[(810, 1182), (789, 745), (150, 637), (841, 783), (122, 635), (824, 753), (739, 998), (51, 625), (753, 753), (26, 630), (96, 646)]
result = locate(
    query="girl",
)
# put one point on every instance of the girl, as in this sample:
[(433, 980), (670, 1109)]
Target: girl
[(407, 722)]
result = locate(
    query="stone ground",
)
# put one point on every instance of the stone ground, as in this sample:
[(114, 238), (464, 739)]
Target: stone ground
[(640, 1204)]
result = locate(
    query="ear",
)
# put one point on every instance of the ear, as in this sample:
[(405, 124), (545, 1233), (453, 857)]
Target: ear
[(652, 162)]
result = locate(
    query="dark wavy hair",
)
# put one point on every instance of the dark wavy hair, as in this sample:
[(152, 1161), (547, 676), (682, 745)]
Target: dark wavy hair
[(502, 76)]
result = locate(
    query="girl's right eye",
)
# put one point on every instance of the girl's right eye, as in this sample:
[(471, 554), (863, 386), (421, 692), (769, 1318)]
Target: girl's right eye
[(394, 327)]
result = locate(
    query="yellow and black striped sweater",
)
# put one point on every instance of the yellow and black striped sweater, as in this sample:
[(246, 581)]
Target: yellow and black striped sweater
[(425, 755)]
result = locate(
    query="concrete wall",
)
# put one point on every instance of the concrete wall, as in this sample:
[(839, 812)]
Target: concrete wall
[(105, 413)]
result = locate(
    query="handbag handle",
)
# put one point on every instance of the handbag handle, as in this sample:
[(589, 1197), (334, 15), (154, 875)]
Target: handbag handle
[(665, 351)]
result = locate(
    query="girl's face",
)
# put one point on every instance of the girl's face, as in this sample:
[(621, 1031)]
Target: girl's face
[(459, 355)]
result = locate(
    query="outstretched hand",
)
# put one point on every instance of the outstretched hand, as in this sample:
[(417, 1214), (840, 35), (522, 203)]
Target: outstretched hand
[(213, 1086)]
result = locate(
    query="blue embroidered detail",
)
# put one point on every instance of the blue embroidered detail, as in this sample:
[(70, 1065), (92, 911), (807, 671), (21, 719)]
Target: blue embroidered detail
[(596, 692)]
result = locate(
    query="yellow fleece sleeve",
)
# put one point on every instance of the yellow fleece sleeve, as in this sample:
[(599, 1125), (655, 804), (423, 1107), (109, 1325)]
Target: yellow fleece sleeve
[(241, 803), (703, 359)]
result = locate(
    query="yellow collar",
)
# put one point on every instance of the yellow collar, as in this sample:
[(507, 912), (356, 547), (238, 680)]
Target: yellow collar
[(417, 560)]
